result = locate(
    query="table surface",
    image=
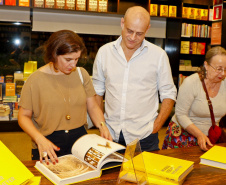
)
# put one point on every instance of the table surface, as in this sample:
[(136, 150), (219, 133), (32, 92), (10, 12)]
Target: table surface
[(201, 174)]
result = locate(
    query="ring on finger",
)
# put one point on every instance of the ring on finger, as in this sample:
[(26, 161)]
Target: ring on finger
[(44, 154)]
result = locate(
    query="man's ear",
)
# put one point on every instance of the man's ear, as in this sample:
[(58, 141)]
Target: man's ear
[(122, 22)]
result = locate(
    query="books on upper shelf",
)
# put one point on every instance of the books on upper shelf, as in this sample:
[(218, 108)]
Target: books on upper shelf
[(39, 3), (70, 4), (10, 2), (81, 5), (102, 5), (193, 48), (153, 9), (185, 12), (10, 89), (164, 10), (60, 4), (25, 3), (91, 153), (172, 11), (48, 4), (204, 14), (160, 169), (1, 2), (92, 5), (12, 170), (214, 157), (185, 46), (191, 13), (198, 13)]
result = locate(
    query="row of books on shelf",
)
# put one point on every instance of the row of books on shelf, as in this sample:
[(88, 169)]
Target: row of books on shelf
[(194, 30), (186, 65), (195, 13), (93, 5), (197, 48), (163, 10)]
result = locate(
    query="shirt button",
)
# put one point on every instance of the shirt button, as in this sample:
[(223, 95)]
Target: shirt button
[(66, 131)]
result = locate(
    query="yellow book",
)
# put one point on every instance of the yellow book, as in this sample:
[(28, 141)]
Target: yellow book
[(198, 13), (172, 11), (185, 12), (164, 10), (91, 153), (36, 180), (191, 13), (214, 157), (102, 5), (153, 9), (185, 47), (10, 89), (204, 14), (12, 170), (160, 169)]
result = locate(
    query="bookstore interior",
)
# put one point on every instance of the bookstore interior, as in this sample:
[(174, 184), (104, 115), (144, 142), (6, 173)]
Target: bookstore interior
[(185, 29)]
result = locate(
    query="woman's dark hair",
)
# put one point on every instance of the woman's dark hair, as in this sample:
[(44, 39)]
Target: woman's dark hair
[(217, 50), (63, 42)]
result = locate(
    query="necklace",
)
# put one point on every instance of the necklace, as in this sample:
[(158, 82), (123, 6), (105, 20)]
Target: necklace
[(67, 117)]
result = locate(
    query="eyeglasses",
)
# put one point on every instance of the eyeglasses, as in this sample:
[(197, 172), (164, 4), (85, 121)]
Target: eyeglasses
[(219, 69)]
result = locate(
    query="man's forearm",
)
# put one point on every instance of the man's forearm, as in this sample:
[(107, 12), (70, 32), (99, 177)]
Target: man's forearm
[(165, 110)]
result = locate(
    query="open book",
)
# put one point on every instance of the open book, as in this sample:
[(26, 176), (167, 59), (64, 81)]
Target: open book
[(90, 155)]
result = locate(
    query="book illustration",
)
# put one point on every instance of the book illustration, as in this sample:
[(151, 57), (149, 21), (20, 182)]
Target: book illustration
[(185, 47), (201, 47), (172, 11), (153, 9), (204, 14), (198, 13), (39, 3), (103, 6), (81, 5), (191, 13), (70, 4), (68, 166), (48, 4), (92, 5), (60, 4), (214, 157), (90, 155), (185, 12), (164, 10)]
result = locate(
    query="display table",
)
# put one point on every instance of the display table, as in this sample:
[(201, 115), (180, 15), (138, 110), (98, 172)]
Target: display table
[(201, 174)]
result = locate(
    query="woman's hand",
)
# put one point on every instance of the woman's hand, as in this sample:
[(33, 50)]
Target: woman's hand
[(104, 132), (47, 147), (203, 141)]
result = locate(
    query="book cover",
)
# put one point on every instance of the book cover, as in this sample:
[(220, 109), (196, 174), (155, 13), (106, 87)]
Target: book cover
[(39, 3), (191, 13), (92, 5), (216, 33), (181, 66), (90, 155), (185, 47), (25, 3), (194, 47), (198, 13), (10, 89), (214, 157), (10, 2), (1, 2), (81, 5), (153, 9), (201, 48), (161, 169), (204, 14), (164, 10), (188, 65), (172, 11), (60, 4), (19, 85), (102, 5), (2, 79), (70, 4), (12, 170), (49, 4), (185, 12)]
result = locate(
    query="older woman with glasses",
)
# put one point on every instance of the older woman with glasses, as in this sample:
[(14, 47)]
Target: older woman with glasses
[(192, 110)]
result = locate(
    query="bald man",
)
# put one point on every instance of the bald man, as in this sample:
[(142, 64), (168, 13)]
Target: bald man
[(132, 72)]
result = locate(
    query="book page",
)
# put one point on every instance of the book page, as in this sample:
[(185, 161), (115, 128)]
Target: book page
[(93, 149), (68, 166)]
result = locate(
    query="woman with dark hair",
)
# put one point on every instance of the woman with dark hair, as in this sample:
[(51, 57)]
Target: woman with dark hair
[(192, 109), (54, 100)]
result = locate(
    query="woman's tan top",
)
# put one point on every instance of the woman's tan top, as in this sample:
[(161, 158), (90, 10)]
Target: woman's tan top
[(44, 95)]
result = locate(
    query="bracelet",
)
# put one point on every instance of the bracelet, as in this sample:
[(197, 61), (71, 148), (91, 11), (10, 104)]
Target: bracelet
[(102, 123)]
